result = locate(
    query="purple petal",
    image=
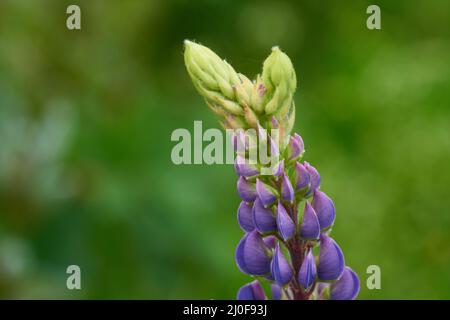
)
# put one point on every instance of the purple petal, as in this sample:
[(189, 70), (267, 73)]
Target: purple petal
[(276, 291), (274, 122), (286, 227), (270, 241), (251, 291), (274, 150), (266, 194), (245, 217), (240, 143), (278, 168), (307, 274), (331, 260), (324, 208), (301, 177), (314, 178), (246, 190), (310, 228), (280, 268), (262, 133), (347, 287), (244, 168), (251, 255), (295, 147), (287, 191), (263, 218)]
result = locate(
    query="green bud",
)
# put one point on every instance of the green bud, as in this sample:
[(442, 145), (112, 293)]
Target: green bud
[(233, 122), (250, 117), (213, 77), (238, 101), (257, 96), (243, 91), (280, 82)]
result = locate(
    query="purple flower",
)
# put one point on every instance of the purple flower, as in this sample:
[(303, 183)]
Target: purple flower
[(263, 218), (246, 190), (307, 274), (331, 260), (270, 241), (324, 208), (252, 255), (251, 291), (287, 191), (244, 168), (301, 177), (245, 218), (280, 268), (276, 291), (240, 141), (310, 227), (347, 287), (274, 122), (286, 227), (314, 178), (278, 169), (274, 150), (295, 147), (262, 133), (266, 193)]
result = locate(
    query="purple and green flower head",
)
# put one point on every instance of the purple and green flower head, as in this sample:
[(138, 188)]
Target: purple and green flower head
[(284, 214)]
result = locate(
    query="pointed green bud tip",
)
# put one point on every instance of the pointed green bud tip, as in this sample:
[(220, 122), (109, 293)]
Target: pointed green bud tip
[(280, 81), (213, 77)]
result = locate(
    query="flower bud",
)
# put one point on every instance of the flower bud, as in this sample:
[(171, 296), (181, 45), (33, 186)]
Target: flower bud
[(324, 208), (279, 79), (263, 218), (250, 117), (270, 241), (266, 193), (286, 227), (301, 177), (307, 274), (252, 255), (276, 170), (243, 90), (251, 291), (310, 227), (274, 149), (287, 191), (244, 168), (258, 96), (245, 217), (347, 287), (280, 268), (331, 260), (314, 178), (276, 290), (274, 123), (240, 143), (209, 71), (295, 147), (231, 121), (246, 190)]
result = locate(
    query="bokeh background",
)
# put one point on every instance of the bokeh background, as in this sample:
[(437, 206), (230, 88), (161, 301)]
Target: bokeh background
[(86, 117)]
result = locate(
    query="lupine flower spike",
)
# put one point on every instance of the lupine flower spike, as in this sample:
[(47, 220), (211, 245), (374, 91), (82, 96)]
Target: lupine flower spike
[(284, 214)]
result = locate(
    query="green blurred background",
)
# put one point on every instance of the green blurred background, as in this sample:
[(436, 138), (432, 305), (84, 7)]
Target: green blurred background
[(86, 117)]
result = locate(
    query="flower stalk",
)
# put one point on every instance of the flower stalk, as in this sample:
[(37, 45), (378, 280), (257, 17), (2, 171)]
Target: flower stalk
[(285, 215)]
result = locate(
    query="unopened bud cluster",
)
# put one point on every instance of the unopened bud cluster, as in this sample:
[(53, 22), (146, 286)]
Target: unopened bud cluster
[(284, 215)]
